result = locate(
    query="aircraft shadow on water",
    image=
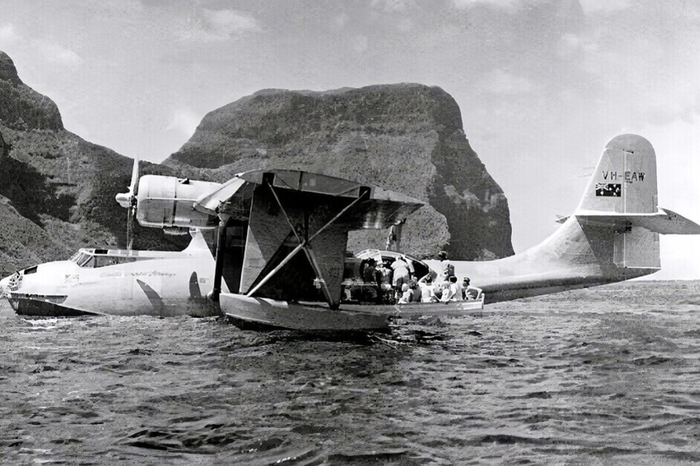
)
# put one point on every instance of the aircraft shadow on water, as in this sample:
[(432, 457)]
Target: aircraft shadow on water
[(279, 258)]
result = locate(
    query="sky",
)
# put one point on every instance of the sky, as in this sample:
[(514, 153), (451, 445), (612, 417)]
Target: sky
[(542, 84)]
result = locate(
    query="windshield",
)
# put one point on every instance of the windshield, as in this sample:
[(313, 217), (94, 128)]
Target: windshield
[(81, 258), (87, 260)]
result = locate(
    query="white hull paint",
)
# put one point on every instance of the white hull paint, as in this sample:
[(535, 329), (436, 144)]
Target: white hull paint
[(161, 284)]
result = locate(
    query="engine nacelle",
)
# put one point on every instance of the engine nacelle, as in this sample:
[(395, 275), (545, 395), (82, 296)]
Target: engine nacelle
[(167, 202)]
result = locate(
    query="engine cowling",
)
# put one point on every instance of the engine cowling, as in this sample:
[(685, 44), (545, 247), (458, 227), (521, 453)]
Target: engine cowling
[(168, 202)]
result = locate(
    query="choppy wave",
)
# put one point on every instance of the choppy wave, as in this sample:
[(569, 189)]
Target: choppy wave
[(602, 376)]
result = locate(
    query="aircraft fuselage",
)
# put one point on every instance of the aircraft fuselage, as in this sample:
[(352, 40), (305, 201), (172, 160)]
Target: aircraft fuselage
[(123, 283)]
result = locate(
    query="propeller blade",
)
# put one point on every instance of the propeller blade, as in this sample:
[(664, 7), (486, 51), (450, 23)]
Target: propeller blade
[(130, 202), (134, 186), (128, 199), (130, 229)]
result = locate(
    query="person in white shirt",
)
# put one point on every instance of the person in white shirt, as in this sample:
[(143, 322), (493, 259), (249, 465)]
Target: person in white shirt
[(406, 294), (452, 292), (427, 291), (402, 273)]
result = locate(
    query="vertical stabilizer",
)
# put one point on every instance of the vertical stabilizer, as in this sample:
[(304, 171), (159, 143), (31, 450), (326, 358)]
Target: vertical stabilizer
[(625, 179)]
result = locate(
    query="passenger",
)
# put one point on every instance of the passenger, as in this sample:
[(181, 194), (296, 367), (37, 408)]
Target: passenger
[(417, 292), (385, 284), (406, 294), (427, 291), (384, 273), (363, 264), (438, 285), (447, 268), (348, 293), (369, 272), (402, 273), (451, 292), (393, 241), (460, 289), (471, 293), (432, 275)]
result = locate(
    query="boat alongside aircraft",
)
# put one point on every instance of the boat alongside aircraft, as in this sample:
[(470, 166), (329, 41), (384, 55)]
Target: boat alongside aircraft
[(279, 258)]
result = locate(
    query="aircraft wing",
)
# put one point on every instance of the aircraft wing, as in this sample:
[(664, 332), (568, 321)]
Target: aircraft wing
[(376, 207)]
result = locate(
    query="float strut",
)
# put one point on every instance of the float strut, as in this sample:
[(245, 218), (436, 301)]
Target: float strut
[(218, 270)]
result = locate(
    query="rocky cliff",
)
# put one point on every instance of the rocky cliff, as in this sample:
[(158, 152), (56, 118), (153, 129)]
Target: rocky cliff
[(23, 108), (405, 137), (56, 190)]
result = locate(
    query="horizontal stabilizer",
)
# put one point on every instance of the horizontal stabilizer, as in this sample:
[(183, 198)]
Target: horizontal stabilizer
[(664, 221)]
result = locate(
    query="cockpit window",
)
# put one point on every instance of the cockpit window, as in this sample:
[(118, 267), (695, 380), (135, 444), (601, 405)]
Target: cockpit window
[(84, 259), (103, 261), (81, 258)]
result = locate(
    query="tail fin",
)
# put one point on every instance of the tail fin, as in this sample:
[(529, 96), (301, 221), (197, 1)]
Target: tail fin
[(625, 178), (622, 198), (622, 192)]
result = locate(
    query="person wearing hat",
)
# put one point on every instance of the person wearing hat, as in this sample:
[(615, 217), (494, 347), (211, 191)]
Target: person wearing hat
[(471, 293)]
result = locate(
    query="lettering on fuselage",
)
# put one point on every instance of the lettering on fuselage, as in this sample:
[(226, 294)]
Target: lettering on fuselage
[(629, 176), (612, 175), (152, 273)]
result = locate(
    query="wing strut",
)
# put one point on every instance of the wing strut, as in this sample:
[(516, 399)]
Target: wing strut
[(304, 245), (219, 267), (307, 250)]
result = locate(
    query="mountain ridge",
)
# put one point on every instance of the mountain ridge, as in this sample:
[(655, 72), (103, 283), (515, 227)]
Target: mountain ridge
[(405, 137), (57, 190)]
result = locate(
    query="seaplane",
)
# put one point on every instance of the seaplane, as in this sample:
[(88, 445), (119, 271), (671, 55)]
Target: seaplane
[(279, 255)]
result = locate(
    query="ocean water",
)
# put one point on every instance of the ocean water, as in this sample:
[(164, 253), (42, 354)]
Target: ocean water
[(609, 375)]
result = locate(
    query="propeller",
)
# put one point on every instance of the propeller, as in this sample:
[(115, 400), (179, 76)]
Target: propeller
[(129, 201)]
